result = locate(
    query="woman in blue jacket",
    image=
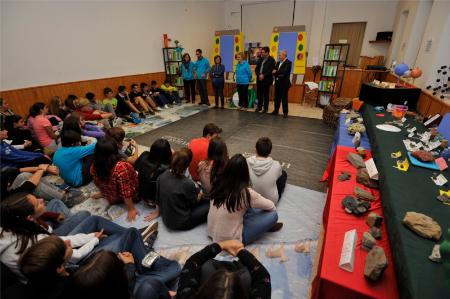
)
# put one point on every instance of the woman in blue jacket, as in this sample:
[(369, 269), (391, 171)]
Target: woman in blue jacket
[(243, 79), (187, 72), (217, 77)]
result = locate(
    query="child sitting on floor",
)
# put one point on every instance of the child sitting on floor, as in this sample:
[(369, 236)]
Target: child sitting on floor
[(171, 91)]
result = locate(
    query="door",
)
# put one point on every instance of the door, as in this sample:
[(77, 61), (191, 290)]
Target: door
[(354, 34)]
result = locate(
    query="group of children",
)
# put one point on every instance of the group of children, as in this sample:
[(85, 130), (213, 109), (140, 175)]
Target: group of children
[(63, 255)]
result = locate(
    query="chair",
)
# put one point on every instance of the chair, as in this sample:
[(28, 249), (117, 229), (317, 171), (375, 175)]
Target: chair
[(444, 126)]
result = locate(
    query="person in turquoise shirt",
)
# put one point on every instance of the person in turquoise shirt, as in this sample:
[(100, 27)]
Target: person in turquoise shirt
[(187, 72), (201, 71), (73, 160), (243, 78)]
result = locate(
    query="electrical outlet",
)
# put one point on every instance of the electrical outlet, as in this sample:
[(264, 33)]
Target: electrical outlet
[(428, 45)]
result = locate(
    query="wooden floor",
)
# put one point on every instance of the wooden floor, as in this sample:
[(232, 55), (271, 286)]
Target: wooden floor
[(301, 144)]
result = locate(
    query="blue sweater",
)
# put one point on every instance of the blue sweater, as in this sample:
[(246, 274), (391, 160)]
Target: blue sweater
[(243, 73), (10, 156), (202, 68), (70, 162), (188, 74), (217, 73)]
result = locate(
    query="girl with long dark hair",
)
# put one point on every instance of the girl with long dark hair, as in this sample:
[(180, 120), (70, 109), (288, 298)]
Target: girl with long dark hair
[(187, 72), (150, 165), (211, 168), (231, 215), (42, 127), (116, 179)]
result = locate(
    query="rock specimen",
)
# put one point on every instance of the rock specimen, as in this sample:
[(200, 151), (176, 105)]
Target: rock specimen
[(368, 241), (375, 232), (375, 263), (423, 156), (363, 194), (355, 206), (422, 225), (373, 219), (363, 178), (356, 160), (436, 254), (361, 151), (356, 127), (277, 253), (444, 199), (344, 176)]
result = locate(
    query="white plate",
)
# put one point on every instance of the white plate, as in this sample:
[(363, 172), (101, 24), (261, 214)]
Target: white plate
[(389, 128)]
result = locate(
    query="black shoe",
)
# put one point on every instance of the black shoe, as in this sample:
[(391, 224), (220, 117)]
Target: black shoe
[(285, 115), (207, 104), (274, 113), (278, 226), (222, 107), (264, 111), (145, 232), (258, 110), (216, 107), (142, 115)]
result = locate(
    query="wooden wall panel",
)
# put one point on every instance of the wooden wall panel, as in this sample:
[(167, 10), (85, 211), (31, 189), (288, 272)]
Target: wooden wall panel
[(21, 99)]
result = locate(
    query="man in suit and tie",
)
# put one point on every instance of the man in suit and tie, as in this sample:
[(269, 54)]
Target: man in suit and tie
[(282, 74), (264, 76)]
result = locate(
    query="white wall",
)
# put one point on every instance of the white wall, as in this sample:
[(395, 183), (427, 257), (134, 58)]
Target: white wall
[(55, 41), (438, 31), (318, 17)]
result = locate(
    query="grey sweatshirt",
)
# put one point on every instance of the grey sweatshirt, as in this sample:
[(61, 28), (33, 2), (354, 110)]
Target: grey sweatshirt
[(264, 173)]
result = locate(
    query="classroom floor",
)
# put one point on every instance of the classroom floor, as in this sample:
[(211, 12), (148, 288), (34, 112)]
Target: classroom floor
[(302, 145)]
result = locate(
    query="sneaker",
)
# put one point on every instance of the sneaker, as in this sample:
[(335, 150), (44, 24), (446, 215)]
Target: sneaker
[(166, 107), (150, 229), (142, 115), (158, 109), (117, 122), (257, 110), (278, 226)]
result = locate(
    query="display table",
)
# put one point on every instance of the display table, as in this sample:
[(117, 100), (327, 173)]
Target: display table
[(332, 281), (402, 192)]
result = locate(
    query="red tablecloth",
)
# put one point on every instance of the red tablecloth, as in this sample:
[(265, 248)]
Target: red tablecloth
[(332, 281)]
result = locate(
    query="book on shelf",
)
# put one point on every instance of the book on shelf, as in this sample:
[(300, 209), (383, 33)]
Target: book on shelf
[(332, 54), (326, 86), (173, 69), (176, 56), (329, 70)]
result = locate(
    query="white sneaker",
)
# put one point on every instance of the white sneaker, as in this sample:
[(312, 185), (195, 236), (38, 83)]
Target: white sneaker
[(166, 107), (158, 109), (117, 122)]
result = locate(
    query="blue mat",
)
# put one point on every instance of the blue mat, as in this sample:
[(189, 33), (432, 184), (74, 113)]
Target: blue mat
[(300, 210)]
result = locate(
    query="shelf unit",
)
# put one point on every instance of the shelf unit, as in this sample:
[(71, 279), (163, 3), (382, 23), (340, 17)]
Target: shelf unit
[(172, 63), (333, 70)]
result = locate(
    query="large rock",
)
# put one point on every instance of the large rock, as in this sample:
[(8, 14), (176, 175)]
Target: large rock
[(375, 263), (368, 241), (356, 160), (363, 178), (344, 176), (375, 232), (422, 225), (363, 194), (423, 156), (373, 219), (436, 254), (354, 206)]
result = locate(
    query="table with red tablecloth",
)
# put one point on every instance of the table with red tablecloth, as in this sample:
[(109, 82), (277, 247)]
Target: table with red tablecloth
[(332, 281)]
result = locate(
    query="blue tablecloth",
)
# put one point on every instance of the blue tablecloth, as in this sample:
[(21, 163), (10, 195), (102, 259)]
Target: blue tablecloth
[(341, 136)]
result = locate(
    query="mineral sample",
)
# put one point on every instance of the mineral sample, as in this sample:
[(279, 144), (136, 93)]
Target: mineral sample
[(355, 206), (368, 241), (436, 254), (422, 225), (373, 219), (375, 263), (356, 160), (344, 176), (375, 232), (361, 151), (356, 127), (363, 178), (423, 156), (444, 199), (363, 194)]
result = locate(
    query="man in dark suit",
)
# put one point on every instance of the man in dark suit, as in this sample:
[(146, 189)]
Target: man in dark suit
[(282, 74), (264, 76)]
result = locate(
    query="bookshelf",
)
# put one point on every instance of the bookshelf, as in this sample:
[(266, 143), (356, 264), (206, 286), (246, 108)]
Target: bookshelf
[(172, 61), (333, 69)]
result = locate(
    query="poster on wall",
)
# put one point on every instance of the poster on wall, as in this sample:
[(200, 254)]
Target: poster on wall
[(227, 43), (293, 40)]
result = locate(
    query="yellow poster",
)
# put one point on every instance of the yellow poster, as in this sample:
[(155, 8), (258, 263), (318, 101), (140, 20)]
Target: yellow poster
[(300, 54), (238, 47), (274, 44), (216, 48)]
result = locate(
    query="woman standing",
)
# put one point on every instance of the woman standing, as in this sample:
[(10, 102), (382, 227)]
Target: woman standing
[(187, 72), (231, 215), (42, 128), (243, 79), (218, 81)]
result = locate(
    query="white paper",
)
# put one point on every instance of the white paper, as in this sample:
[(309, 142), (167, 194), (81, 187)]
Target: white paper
[(371, 169), (431, 120), (440, 180), (347, 259)]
